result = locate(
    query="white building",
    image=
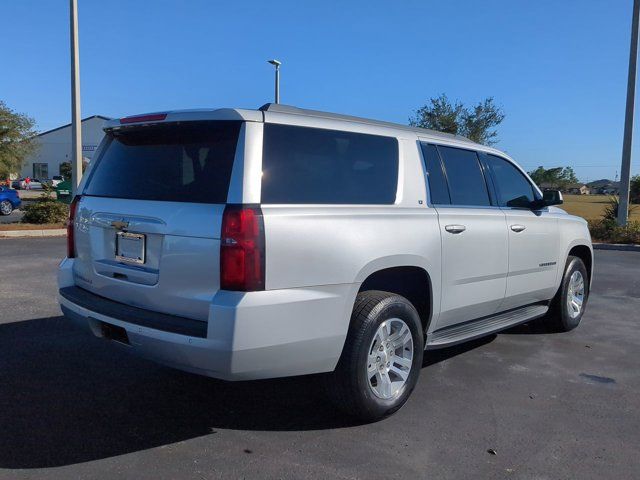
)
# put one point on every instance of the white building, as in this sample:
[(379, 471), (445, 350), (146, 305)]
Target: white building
[(54, 148)]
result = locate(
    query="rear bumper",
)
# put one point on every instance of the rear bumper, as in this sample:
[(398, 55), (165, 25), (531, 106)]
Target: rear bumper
[(255, 335)]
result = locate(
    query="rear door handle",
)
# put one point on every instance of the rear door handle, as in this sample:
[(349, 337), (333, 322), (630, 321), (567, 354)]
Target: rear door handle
[(518, 228), (455, 228)]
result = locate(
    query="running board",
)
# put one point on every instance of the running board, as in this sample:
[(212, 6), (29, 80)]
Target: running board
[(448, 336)]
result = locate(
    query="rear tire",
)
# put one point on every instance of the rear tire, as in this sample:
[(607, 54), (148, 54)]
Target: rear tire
[(381, 359), (6, 207), (569, 304)]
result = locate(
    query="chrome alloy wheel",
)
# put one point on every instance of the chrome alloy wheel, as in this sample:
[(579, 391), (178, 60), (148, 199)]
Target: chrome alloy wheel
[(575, 295), (5, 207), (390, 358)]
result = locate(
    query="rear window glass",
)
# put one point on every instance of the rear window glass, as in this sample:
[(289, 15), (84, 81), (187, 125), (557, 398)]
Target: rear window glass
[(315, 166), (184, 162)]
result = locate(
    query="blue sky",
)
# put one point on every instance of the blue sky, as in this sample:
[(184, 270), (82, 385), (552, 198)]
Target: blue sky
[(558, 68)]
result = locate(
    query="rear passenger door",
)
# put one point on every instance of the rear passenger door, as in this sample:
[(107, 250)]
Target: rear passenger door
[(473, 233), (533, 236)]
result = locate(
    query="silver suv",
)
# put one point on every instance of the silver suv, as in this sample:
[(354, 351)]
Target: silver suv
[(249, 244)]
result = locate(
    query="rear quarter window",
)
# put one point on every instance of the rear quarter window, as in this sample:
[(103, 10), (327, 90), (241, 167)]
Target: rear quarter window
[(304, 165), (184, 162)]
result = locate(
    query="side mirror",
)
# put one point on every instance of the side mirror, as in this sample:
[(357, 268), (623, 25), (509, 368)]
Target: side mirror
[(549, 198), (552, 197)]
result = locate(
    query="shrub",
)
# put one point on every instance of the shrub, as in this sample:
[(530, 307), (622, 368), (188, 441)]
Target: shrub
[(45, 210), (611, 210), (601, 229), (609, 231)]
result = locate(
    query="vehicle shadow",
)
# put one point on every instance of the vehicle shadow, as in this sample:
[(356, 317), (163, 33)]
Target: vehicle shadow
[(432, 357), (67, 397), (535, 327)]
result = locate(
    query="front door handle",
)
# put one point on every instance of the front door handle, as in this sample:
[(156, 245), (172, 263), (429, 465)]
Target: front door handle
[(455, 228), (518, 228)]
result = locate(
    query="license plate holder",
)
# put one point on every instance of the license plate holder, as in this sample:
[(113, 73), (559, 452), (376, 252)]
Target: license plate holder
[(130, 247)]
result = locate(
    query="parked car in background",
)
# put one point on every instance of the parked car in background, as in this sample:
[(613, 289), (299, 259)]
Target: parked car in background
[(287, 242), (9, 200), (21, 184), (55, 181)]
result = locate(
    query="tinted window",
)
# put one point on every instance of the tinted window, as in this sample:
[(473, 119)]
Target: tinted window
[(438, 190), (513, 189), (311, 165), (466, 180), (188, 162)]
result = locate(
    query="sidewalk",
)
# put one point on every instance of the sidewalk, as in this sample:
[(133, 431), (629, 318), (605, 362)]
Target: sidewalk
[(45, 232), (31, 194), (13, 230)]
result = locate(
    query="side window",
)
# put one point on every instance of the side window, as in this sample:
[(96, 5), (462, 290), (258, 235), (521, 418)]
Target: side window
[(467, 185), (438, 190), (315, 166), (514, 190)]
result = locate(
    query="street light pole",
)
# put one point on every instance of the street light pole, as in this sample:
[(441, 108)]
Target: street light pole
[(277, 64), (76, 121), (625, 171)]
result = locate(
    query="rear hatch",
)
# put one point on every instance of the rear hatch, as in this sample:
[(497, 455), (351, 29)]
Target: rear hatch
[(148, 224)]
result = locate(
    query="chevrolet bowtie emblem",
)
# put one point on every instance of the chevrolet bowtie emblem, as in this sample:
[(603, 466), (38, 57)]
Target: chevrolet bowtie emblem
[(119, 225)]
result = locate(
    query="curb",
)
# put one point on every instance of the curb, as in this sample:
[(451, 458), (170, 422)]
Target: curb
[(621, 247), (52, 232)]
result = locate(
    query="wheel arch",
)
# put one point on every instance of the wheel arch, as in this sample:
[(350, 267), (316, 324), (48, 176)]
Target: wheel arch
[(584, 253), (410, 281)]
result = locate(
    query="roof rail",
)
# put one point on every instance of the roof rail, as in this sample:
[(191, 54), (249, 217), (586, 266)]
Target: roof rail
[(280, 108)]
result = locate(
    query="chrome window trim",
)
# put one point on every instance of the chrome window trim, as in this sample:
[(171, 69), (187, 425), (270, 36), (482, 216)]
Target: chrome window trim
[(474, 207), (425, 172)]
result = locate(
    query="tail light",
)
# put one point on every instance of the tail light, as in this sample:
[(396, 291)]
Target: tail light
[(242, 254), (71, 241)]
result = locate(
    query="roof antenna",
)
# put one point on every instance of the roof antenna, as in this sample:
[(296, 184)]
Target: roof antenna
[(277, 64)]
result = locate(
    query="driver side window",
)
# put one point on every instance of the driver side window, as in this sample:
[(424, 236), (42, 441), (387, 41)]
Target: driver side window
[(513, 188)]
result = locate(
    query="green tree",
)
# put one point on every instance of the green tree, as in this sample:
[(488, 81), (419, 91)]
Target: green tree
[(567, 176), (65, 170), (439, 115), (16, 140), (557, 177), (539, 175), (635, 189), (478, 123)]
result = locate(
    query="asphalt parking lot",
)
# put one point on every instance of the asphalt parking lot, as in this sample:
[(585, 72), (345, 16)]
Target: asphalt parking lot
[(13, 217), (551, 406)]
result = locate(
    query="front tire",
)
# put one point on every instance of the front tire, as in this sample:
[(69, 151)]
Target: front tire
[(381, 359), (569, 304), (6, 207)]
